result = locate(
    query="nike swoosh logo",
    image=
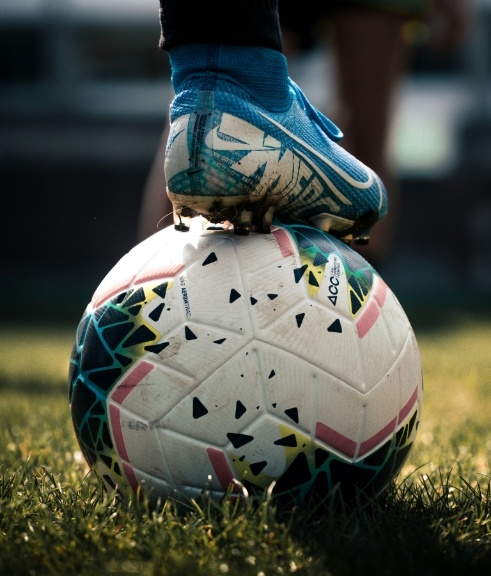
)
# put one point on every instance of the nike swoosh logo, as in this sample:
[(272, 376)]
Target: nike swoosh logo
[(173, 137), (235, 134), (332, 165)]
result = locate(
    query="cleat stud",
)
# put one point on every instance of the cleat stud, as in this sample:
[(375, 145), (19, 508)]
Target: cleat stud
[(363, 238), (262, 220), (346, 239), (241, 230), (242, 223), (267, 220), (179, 225)]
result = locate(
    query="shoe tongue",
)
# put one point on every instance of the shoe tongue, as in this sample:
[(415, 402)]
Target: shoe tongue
[(262, 72)]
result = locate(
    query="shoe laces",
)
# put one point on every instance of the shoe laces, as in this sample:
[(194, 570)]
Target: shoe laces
[(327, 126)]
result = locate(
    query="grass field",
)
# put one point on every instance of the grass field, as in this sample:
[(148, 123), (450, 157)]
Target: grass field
[(55, 519)]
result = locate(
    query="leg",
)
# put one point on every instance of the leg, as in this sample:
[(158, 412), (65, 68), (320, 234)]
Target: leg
[(244, 142), (156, 208), (370, 56)]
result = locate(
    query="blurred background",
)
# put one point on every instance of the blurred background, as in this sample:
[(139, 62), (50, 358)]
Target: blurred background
[(84, 95)]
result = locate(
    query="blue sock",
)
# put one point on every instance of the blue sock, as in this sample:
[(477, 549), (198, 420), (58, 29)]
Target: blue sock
[(263, 72)]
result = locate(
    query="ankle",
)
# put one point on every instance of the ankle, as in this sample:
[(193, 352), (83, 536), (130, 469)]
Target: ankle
[(262, 72)]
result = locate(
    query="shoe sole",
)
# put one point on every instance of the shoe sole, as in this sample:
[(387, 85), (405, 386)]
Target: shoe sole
[(246, 216)]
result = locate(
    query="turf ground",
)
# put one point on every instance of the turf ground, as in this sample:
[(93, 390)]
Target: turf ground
[(55, 519)]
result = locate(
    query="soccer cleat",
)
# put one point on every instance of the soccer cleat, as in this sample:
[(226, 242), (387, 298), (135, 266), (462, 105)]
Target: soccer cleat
[(242, 155)]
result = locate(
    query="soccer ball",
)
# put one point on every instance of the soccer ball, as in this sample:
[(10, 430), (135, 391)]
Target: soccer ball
[(206, 359)]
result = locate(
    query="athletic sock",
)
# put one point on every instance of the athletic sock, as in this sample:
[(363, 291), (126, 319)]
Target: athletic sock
[(260, 71)]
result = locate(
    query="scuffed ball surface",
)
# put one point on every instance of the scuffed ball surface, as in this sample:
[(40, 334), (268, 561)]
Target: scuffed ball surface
[(280, 357)]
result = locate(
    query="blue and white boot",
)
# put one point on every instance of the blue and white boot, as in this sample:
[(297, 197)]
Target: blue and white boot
[(245, 144)]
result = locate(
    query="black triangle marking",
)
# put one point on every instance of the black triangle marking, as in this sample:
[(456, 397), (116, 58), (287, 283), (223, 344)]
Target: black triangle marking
[(299, 318), (220, 341), (104, 379), (119, 298), (140, 335), (94, 353), (335, 327), (271, 374), (258, 467), (355, 284), (239, 440), (253, 301), (355, 302), (190, 335), (299, 272), (156, 348), (234, 295), (114, 335), (293, 414), (134, 309), (210, 259), (290, 440), (313, 280), (240, 409), (320, 456), (98, 409), (272, 296), (156, 312), (161, 289), (134, 297), (123, 360), (199, 409), (297, 473), (112, 316)]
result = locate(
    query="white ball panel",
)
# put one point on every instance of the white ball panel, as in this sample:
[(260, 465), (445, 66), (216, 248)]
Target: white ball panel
[(153, 395), (289, 387), (189, 461), (156, 489), (259, 252), (409, 373), (196, 350), (231, 397), (396, 323), (169, 309), (328, 342), (274, 293), (213, 289), (142, 445), (382, 405), (263, 456), (340, 409)]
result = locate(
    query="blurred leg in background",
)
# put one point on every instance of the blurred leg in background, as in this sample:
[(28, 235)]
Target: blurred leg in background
[(156, 208), (370, 59), (370, 42)]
